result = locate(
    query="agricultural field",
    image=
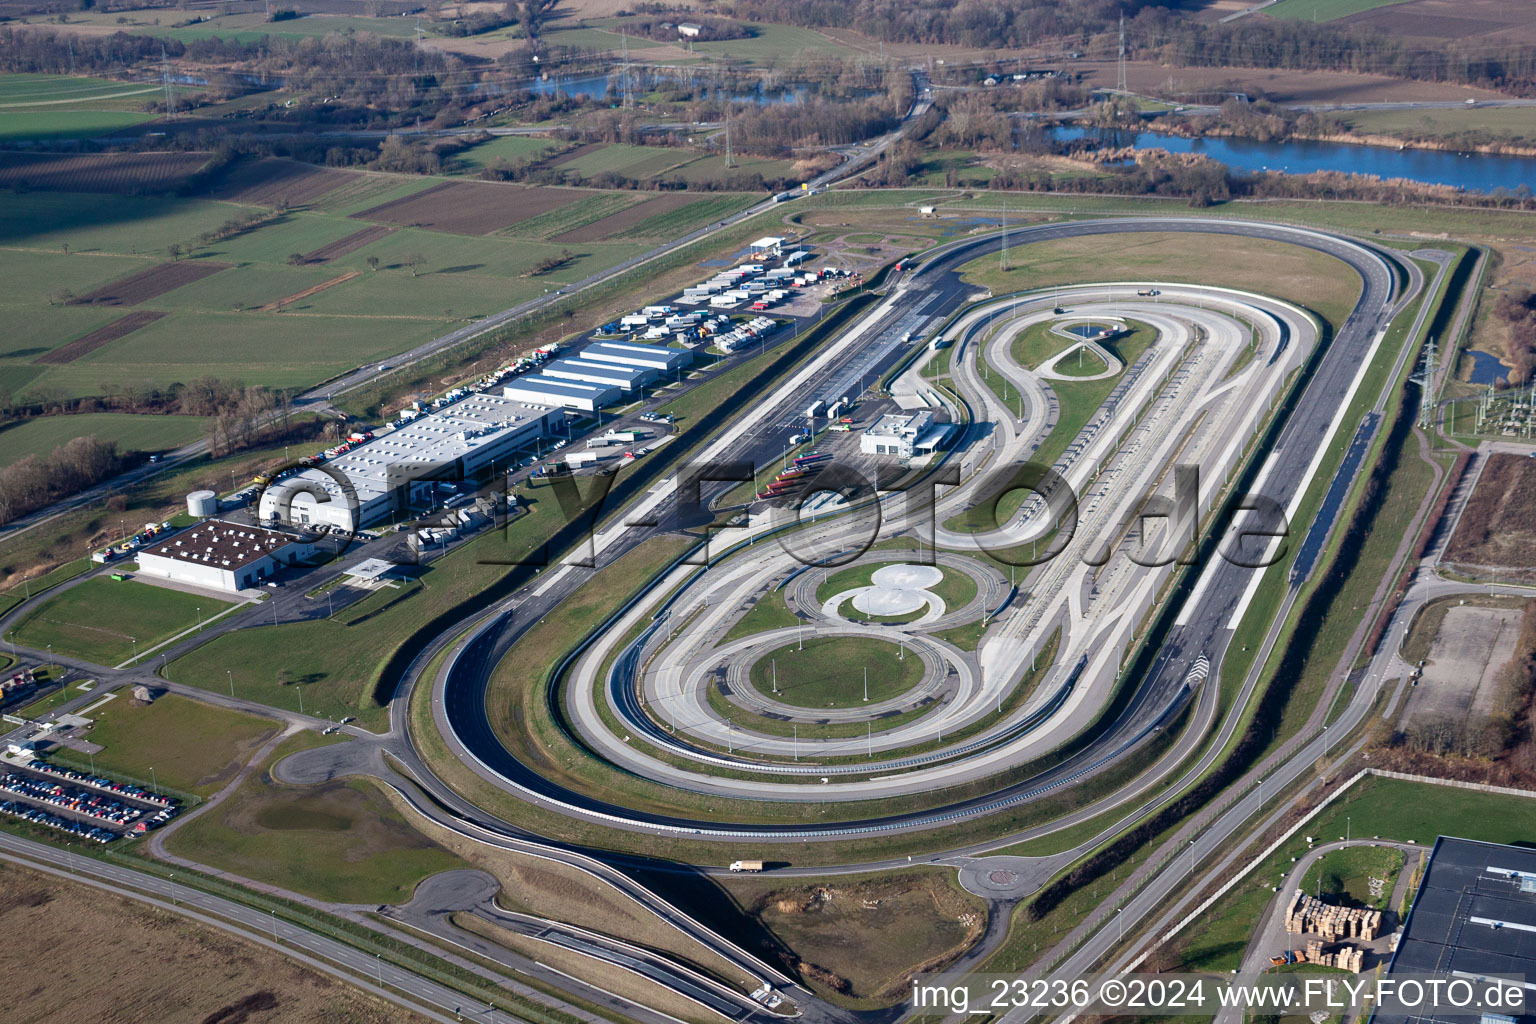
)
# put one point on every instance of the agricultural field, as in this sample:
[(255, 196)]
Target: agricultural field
[(59, 107), (106, 621), (213, 976), (39, 437), (1323, 10), (113, 290), (665, 163), (514, 149), (1498, 525), (1509, 125)]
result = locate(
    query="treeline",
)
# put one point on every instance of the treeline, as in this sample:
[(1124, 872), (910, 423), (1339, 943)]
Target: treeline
[(1160, 34), (1516, 310), (30, 483)]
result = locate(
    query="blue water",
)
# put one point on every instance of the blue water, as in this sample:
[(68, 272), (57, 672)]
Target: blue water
[(641, 81), (1482, 172), (1085, 330), (1486, 369)]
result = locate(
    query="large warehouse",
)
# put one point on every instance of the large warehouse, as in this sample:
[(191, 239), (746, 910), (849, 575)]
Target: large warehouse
[(390, 472), (629, 353), (594, 371), (559, 393), (223, 556)]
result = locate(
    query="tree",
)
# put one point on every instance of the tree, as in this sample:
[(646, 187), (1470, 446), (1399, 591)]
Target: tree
[(174, 250), (373, 263), (295, 258), (535, 12), (414, 261)]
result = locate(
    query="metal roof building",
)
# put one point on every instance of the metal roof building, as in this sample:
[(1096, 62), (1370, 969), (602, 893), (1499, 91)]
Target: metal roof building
[(558, 393), (595, 371), (1474, 915), (628, 353), (223, 556), (373, 480)]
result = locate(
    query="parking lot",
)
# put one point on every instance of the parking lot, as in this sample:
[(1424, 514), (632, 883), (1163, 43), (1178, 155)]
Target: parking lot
[(79, 803)]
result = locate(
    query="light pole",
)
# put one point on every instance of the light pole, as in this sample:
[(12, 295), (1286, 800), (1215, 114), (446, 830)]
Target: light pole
[(154, 781), (231, 674), (1191, 859), (274, 924), (199, 618), (1119, 917), (378, 963), (173, 889)]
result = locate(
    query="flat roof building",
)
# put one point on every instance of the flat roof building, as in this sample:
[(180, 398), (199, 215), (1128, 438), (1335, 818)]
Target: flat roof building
[(629, 353), (904, 435), (595, 371), (767, 244), (387, 474), (559, 393), (1474, 916), (221, 555)]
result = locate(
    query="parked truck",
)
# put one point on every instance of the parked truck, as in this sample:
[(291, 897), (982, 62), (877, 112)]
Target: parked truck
[(746, 865)]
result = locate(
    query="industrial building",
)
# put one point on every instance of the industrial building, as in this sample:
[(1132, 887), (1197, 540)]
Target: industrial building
[(1474, 916), (224, 556), (374, 480), (592, 371), (561, 393), (904, 435), (628, 353)]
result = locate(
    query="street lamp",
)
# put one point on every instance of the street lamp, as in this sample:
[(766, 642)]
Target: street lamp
[(231, 674), (154, 781)]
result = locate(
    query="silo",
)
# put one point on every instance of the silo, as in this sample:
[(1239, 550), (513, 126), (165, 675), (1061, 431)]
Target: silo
[(202, 504)]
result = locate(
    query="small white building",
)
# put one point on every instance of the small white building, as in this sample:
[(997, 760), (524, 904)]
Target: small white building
[(767, 244), (222, 555), (689, 29), (904, 435)]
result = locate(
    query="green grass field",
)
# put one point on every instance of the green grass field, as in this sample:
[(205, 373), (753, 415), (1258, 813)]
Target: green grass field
[(1514, 125), (1323, 10), (192, 747), (99, 619), (829, 671), (39, 437), (511, 148), (340, 841), (337, 661), (1344, 876), (58, 107)]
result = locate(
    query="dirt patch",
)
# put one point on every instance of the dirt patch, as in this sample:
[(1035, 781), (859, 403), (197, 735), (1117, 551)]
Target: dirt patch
[(114, 173), (272, 181), (1497, 528), (162, 967), (147, 284), (353, 242), (470, 207), (866, 938), (626, 218), (289, 300), (1470, 650), (100, 336)]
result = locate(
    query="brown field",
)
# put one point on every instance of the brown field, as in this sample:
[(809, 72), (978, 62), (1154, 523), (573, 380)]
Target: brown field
[(289, 300), (470, 207), (353, 242), (116, 173), (101, 336), (1500, 21), (129, 963), (1281, 86), (1498, 525), (864, 937), (272, 182), (146, 284), (626, 218)]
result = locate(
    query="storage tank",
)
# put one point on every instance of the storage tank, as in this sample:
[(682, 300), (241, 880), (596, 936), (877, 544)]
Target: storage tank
[(202, 504)]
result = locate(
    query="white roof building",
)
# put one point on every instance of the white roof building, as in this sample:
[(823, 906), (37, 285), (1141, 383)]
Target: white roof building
[(904, 435), (221, 555), (562, 393), (767, 244), (373, 480)]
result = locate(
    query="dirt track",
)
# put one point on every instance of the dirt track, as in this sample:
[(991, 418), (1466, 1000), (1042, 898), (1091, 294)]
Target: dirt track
[(289, 300)]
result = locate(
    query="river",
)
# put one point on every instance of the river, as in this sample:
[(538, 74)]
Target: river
[(1481, 172)]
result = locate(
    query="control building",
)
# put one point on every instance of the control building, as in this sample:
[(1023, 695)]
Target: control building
[(386, 475), (904, 435), (223, 556)]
